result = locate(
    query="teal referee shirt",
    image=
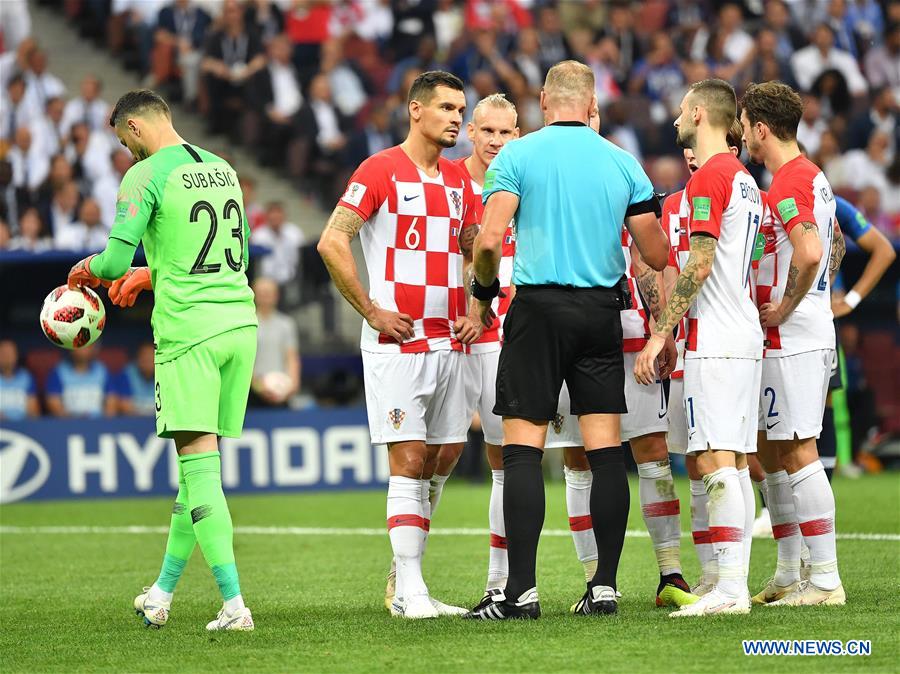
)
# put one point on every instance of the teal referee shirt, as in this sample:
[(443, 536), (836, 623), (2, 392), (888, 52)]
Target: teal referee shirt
[(575, 189)]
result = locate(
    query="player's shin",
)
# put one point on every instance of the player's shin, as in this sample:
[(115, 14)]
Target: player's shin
[(726, 526), (179, 545), (814, 502), (610, 502), (709, 571), (785, 528), (406, 525), (749, 496), (578, 506), (498, 564), (661, 509), (212, 522)]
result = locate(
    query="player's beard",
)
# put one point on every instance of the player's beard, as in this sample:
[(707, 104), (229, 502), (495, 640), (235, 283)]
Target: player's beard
[(753, 152), (445, 141), (685, 138)]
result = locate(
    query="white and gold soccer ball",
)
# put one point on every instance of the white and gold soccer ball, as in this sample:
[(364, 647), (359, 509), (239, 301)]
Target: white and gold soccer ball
[(73, 318)]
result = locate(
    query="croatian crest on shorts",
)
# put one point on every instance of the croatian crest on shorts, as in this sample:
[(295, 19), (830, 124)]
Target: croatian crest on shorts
[(558, 423), (396, 417)]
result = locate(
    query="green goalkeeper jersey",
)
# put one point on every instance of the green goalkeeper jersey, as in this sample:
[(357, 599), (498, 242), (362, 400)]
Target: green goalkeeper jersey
[(186, 206)]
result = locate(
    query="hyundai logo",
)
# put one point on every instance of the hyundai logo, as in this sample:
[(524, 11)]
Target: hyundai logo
[(15, 450)]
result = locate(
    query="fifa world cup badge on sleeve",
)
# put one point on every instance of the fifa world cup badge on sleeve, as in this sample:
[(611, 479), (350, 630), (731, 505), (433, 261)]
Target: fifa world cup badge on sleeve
[(787, 209), (701, 207), (354, 193)]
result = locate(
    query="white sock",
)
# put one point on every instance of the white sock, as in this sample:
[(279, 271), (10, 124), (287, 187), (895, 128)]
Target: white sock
[(578, 505), (814, 502), (749, 514), (406, 526), (425, 495), (234, 604), (435, 489), (498, 563), (157, 594), (764, 492), (709, 570), (726, 527), (785, 530), (661, 511)]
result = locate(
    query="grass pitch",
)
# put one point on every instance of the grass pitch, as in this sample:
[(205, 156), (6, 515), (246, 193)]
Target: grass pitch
[(65, 598)]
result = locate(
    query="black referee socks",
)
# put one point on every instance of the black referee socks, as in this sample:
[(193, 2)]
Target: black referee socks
[(523, 512), (610, 502)]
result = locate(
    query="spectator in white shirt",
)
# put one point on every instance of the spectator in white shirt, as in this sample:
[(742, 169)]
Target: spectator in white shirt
[(32, 236), (276, 372), (106, 188), (283, 239), (15, 22), (89, 153), (344, 77), (16, 109), (737, 42), (42, 85), (48, 127), (883, 63), (30, 166), (811, 127), (88, 108), (810, 62), (61, 215), (868, 168), (88, 233)]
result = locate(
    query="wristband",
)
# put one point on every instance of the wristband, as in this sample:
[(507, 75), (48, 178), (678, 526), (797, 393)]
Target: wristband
[(485, 293), (852, 299)]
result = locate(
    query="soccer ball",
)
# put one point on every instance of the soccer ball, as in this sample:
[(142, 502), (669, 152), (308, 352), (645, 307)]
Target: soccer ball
[(73, 318)]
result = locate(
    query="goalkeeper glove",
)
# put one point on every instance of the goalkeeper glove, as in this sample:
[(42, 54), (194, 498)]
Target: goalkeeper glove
[(80, 274), (124, 291)]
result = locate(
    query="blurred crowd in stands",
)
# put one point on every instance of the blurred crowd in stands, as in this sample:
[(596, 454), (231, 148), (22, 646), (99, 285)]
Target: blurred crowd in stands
[(313, 87)]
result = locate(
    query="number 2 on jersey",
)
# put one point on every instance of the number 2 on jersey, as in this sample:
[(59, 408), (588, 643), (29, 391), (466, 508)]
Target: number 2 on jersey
[(826, 259), (231, 207)]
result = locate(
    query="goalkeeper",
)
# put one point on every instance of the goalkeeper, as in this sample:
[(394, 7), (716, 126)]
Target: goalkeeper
[(185, 205)]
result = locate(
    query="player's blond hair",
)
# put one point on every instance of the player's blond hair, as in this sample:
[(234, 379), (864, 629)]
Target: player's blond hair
[(496, 101), (569, 82), (735, 134)]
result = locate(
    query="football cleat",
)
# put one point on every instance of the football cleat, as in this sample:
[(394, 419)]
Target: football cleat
[(446, 609), (155, 613), (239, 621), (598, 600), (500, 608), (773, 592), (391, 589), (807, 594), (488, 598), (715, 603), (417, 607), (673, 590)]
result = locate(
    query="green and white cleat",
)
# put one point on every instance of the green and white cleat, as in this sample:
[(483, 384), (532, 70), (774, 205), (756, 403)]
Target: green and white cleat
[(391, 588), (239, 621), (154, 613)]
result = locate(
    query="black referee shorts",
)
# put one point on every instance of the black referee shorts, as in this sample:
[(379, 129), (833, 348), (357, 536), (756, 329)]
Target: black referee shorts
[(556, 333)]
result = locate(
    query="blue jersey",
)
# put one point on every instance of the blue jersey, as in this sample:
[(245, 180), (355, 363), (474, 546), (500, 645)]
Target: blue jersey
[(14, 394), (575, 189), (852, 222), (83, 393), (140, 390)]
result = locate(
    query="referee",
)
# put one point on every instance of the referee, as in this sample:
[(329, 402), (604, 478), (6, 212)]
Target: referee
[(569, 191)]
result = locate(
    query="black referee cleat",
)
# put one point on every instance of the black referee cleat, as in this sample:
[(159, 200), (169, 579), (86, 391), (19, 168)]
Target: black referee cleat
[(498, 607), (488, 599), (598, 600)]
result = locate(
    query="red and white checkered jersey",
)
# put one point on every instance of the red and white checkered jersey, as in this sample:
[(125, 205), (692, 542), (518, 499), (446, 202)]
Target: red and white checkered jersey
[(799, 193), (723, 201), (765, 242), (679, 250), (492, 338), (635, 319), (411, 245)]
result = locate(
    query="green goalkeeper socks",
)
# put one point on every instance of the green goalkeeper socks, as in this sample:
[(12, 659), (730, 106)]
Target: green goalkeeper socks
[(211, 518), (181, 540)]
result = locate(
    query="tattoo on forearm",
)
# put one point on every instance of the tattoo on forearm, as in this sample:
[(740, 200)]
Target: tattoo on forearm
[(467, 239), (838, 248), (649, 287), (809, 228), (791, 286), (346, 221), (688, 284)]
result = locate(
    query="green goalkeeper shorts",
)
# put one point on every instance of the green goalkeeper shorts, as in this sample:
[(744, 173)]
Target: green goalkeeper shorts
[(205, 389)]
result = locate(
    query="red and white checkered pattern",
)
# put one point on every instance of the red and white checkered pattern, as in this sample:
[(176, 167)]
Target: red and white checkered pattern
[(679, 249), (809, 327), (635, 320), (411, 245), (492, 338), (722, 200)]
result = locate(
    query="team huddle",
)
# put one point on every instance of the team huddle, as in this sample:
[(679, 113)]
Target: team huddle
[(733, 339), (716, 342)]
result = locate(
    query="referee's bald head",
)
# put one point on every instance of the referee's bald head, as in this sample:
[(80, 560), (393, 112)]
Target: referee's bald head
[(569, 84)]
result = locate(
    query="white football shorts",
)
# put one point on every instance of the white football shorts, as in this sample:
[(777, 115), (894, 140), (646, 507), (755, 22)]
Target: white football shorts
[(792, 394), (416, 396), (646, 405), (720, 403), (677, 437), (563, 431), (481, 392)]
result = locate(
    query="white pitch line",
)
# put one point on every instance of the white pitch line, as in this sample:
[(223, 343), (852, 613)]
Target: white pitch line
[(329, 531)]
